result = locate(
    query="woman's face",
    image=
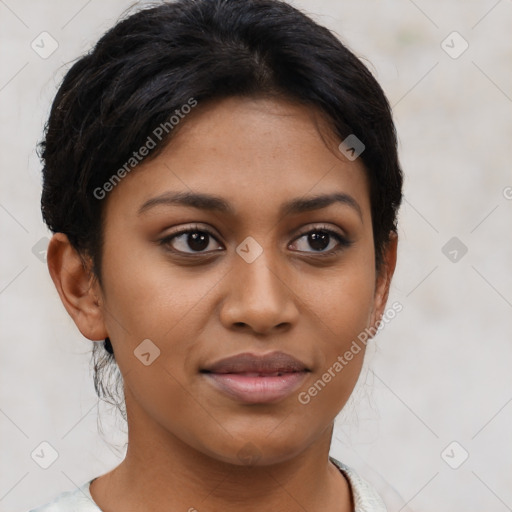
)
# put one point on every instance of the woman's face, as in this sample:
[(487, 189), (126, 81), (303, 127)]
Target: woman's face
[(246, 279)]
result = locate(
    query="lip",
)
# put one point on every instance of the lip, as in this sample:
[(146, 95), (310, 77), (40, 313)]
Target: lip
[(252, 378), (265, 363)]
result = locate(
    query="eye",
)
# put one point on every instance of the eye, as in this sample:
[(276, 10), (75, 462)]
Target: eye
[(321, 238), (189, 241), (196, 240)]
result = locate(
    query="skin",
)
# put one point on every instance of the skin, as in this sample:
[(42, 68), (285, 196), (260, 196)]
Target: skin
[(185, 436)]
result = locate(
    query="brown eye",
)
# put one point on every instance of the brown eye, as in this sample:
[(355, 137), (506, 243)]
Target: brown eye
[(190, 241), (320, 239)]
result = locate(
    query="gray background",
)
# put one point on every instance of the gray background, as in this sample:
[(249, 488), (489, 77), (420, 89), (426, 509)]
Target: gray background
[(438, 373)]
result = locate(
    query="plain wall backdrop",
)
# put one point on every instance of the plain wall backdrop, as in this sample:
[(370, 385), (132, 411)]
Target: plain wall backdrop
[(429, 423)]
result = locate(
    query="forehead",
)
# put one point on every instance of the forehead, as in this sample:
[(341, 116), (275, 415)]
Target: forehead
[(255, 153)]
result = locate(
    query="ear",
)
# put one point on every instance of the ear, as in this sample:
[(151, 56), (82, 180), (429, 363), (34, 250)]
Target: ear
[(77, 287), (383, 278)]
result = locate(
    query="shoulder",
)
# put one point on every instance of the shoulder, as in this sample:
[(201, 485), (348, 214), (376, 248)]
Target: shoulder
[(366, 498), (78, 500)]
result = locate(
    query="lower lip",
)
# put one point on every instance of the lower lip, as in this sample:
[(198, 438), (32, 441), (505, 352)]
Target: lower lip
[(257, 390)]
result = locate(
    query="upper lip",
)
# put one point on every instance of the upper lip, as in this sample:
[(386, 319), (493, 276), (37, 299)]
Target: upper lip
[(267, 363)]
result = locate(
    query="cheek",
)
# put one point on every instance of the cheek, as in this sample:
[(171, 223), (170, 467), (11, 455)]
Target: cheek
[(340, 306), (151, 299), (344, 311), (342, 299), (148, 296)]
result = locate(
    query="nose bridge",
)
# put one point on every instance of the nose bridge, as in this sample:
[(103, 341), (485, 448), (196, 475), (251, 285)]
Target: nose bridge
[(260, 279), (257, 293)]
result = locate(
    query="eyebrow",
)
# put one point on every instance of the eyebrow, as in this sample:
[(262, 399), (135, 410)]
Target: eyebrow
[(218, 204)]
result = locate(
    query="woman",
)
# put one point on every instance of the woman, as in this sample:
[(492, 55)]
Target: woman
[(222, 181)]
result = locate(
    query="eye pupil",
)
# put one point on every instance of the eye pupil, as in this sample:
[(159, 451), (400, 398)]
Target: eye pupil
[(198, 240), (318, 240)]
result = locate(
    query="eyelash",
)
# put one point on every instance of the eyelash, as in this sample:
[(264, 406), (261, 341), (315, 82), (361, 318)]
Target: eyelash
[(343, 242)]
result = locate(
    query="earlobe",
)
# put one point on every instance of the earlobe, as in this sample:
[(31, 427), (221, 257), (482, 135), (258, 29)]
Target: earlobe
[(383, 280), (75, 284)]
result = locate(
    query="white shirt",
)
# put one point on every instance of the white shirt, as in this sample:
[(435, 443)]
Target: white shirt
[(365, 497)]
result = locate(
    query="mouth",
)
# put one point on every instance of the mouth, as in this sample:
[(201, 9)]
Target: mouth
[(250, 378)]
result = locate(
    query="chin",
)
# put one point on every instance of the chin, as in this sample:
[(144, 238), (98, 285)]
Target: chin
[(257, 451)]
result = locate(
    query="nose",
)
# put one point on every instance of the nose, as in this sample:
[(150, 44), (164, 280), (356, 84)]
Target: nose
[(259, 297)]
